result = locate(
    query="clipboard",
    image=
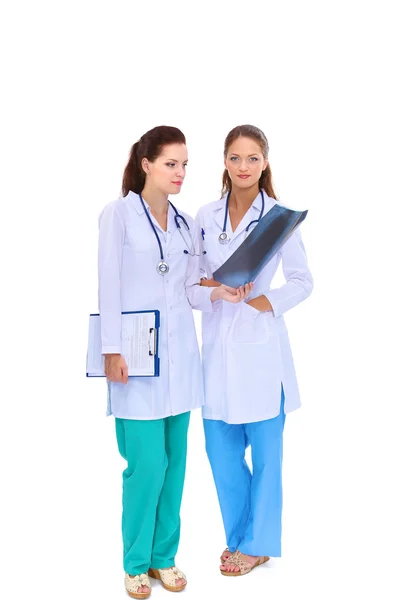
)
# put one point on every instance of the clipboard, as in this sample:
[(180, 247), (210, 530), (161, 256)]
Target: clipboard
[(243, 266), (139, 344)]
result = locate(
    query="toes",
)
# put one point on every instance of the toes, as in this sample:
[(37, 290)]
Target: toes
[(229, 568)]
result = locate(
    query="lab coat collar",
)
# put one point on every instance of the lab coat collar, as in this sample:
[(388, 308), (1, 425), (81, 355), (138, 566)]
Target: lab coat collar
[(134, 198), (252, 214)]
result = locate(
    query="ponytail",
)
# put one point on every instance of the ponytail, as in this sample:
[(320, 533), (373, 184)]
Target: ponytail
[(134, 176)]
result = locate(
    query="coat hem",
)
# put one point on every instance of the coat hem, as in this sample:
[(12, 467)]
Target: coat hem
[(265, 417), (152, 418)]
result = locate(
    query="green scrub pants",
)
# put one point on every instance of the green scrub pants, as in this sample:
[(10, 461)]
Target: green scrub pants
[(155, 451)]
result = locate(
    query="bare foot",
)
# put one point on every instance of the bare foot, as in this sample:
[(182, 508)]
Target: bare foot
[(225, 555), (143, 589), (231, 568)]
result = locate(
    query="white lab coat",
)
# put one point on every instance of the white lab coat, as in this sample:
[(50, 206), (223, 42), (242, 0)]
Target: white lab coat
[(128, 281), (246, 353)]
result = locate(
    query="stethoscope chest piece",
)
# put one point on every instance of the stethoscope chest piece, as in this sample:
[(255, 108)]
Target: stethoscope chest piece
[(162, 268), (223, 238)]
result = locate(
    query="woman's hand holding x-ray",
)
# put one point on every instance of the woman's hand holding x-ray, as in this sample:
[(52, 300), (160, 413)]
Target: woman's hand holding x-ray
[(224, 292)]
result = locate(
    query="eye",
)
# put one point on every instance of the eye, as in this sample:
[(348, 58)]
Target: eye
[(170, 164), (233, 158), (253, 159), (185, 165)]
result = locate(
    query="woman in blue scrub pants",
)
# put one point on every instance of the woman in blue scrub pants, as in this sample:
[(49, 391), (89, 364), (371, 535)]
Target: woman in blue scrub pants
[(138, 233), (249, 375)]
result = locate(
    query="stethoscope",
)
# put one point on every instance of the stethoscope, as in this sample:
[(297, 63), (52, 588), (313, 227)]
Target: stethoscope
[(223, 237), (163, 266)]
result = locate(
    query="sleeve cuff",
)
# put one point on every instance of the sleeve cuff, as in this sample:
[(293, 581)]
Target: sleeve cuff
[(111, 349), (204, 302), (216, 304)]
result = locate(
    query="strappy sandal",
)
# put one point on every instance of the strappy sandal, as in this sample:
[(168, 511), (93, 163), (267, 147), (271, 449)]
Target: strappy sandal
[(244, 566), (222, 559), (168, 578), (132, 584)]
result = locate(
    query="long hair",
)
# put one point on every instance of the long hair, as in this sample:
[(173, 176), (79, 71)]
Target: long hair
[(250, 131), (149, 146)]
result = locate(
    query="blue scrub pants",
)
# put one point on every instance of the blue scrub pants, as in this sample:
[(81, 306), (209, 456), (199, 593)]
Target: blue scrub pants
[(251, 503)]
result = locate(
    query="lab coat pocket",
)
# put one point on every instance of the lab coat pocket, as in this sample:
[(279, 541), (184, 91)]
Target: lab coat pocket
[(211, 267), (213, 257), (249, 325), (178, 260)]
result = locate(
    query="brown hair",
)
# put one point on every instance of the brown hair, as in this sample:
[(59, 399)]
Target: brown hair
[(252, 132), (149, 146)]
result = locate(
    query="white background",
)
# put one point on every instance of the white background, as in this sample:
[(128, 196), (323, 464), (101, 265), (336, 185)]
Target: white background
[(81, 82)]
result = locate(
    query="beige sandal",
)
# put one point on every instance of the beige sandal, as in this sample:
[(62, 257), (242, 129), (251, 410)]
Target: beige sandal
[(168, 578), (132, 584), (244, 566)]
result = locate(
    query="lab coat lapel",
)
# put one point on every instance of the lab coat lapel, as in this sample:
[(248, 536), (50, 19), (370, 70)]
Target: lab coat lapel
[(139, 208), (171, 226), (219, 213)]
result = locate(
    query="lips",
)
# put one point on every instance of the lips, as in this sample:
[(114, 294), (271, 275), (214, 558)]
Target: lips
[(244, 176), (177, 182)]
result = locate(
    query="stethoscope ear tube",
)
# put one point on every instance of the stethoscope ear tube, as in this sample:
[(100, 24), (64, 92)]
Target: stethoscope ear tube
[(223, 237), (163, 267)]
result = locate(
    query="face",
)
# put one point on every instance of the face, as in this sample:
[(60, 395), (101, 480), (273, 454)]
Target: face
[(168, 171), (245, 162)]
